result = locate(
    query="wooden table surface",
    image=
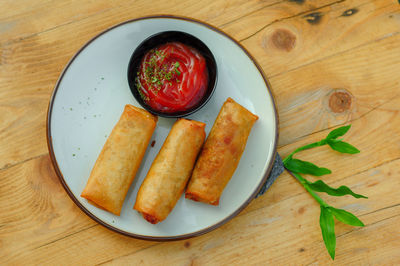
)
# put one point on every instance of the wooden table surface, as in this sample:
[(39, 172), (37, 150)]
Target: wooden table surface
[(329, 62)]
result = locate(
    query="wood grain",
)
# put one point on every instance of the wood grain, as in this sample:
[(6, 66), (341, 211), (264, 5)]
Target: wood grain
[(35, 20), (376, 150), (305, 93), (285, 206), (329, 63), (35, 54), (37, 214), (371, 22), (256, 235), (37, 77)]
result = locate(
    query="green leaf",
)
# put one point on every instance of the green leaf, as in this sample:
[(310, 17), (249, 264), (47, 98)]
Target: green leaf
[(303, 167), (343, 147), (327, 225), (338, 132), (320, 186), (346, 217)]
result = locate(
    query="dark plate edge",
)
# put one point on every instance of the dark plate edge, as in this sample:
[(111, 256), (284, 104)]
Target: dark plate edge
[(144, 237)]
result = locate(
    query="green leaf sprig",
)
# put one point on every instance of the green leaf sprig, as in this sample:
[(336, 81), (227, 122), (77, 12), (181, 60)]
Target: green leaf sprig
[(298, 167)]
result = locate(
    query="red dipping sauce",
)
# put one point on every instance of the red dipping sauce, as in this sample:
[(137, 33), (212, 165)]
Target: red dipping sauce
[(172, 77)]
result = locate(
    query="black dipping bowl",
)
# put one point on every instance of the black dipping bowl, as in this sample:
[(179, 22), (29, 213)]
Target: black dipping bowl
[(165, 37)]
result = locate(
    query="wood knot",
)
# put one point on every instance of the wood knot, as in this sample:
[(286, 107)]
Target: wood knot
[(283, 39), (313, 18), (349, 12), (187, 244), (340, 101)]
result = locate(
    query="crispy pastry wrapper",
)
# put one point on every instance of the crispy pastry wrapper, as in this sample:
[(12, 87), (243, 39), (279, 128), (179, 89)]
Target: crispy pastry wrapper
[(120, 159), (170, 171), (221, 153)]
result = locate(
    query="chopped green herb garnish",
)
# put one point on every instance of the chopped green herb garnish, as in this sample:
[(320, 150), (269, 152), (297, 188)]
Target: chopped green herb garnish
[(156, 74), (176, 65)]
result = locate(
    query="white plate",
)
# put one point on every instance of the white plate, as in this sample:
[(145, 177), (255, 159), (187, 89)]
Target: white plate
[(90, 96)]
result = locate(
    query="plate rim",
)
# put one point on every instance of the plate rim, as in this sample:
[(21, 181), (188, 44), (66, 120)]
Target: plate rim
[(146, 237)]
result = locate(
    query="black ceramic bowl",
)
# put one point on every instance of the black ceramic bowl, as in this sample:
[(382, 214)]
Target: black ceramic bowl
[(166, 37)]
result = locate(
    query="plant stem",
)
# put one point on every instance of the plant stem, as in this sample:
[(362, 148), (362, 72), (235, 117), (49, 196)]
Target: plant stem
[(306, 147), (304, 182)]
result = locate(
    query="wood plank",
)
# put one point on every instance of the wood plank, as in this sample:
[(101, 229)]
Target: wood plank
[(289, 229), (284, 193), (377, 152), (376, 134), (290, 43), (10, 8), (341, 68), (36, 208), (377, 244), (305, 95), (39, 60), (36, 214), (38, 18), (257, 21)]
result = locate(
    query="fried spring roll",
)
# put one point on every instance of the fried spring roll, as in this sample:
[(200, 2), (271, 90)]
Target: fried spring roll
[(120, 159), (221, 153), (170, 170)]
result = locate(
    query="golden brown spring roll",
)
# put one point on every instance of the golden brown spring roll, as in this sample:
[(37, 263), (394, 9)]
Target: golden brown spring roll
[(221, 153), (120, 159), (170, 171)]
